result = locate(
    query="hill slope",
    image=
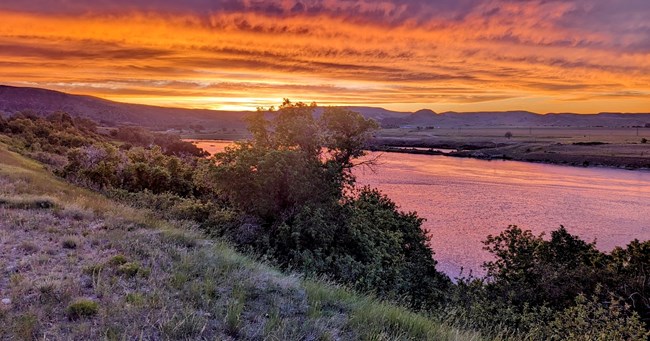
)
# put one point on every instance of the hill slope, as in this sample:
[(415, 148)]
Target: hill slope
[(76, 265), (43, 102)]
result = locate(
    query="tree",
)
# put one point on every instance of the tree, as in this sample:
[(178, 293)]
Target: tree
[(293, 159), (508, 135), (294, 180)]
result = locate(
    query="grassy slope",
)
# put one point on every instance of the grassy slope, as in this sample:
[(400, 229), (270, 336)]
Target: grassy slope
[(154, 279)]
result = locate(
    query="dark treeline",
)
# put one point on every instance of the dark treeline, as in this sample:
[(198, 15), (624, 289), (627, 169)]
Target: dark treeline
[(288, 194)]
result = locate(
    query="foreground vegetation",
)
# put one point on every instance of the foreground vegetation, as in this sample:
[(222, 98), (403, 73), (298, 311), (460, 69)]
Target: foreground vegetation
[(77, 265), (286, 197)]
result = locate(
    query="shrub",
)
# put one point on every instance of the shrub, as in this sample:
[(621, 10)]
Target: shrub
[(26, 326), (69, 243), (27, 203), (531, 270), (592, 320), (179, 238), (130, 269), (82, 308), (118, 260)]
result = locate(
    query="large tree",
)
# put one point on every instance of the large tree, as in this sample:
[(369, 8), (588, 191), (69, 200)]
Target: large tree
[(294, 179)]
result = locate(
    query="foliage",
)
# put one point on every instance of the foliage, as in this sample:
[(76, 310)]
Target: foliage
[(289, 194), (590, 320), (135, 170), (169, 144), (294, 179), (54, 134), (82, 308), (531, 270), (292, 160)]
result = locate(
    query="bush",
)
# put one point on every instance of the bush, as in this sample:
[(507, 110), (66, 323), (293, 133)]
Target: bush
[(118, 260), (82, 308), (130, 269), (69, 243), (531, 270), (591, 320)]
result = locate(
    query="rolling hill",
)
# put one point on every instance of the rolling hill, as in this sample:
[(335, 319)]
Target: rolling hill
[(43, 101)]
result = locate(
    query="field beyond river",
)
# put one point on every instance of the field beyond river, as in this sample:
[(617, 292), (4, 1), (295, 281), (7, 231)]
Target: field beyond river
[(609, 147)]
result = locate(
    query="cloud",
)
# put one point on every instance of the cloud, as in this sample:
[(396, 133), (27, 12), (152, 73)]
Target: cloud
[(398, 52)]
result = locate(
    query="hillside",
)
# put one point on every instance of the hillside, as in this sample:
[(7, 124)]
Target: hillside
[(42, 101), (76, 265)]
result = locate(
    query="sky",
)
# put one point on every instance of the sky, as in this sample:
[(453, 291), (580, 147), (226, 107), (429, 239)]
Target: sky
[(582, 56)]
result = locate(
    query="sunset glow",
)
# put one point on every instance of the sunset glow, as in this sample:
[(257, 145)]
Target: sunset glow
[(545, 56)]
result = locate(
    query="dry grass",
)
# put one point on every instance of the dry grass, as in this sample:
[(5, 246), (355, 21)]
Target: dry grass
[(536, 135), (131, 276)]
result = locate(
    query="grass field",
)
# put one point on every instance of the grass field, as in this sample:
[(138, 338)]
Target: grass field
[(75, 265), (611, 147), (537, 135)]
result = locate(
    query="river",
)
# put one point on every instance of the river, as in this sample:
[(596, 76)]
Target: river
[(464, 200)]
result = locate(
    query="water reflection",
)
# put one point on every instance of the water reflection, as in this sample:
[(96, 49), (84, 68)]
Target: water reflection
[(464, 200)]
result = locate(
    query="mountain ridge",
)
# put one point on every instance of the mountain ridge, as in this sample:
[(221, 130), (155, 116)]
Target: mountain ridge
[(44, 101)]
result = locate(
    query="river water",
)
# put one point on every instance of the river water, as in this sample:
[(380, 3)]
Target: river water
[(464, 200)]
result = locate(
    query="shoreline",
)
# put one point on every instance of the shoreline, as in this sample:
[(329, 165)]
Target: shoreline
[(489, 154)]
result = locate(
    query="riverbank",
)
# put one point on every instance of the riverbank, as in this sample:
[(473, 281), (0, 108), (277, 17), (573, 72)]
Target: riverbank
[(601, 148)]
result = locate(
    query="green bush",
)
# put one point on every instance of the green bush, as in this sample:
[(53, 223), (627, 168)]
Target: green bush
[(118, 260), (82, 308), (531, 270), (130, 269), (592, 320)]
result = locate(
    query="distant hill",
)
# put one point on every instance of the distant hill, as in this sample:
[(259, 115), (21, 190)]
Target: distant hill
[(425, 118), (42, 101)]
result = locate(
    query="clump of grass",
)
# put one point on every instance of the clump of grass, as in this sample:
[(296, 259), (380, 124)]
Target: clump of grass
[(184, 327), (27, 203), (76, 212), (234, 310), (93, 270), (179, 238), (69, 243), (26, 327), (135, 298), (48, 291), (130, 269), (82, 308), (118, 260), (29, 247)]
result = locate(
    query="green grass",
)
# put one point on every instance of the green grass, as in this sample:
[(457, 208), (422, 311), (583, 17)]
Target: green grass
[(133, 276), (82, 308)]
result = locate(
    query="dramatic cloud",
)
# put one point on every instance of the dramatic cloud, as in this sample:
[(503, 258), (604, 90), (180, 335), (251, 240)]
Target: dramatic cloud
[(542, 55)]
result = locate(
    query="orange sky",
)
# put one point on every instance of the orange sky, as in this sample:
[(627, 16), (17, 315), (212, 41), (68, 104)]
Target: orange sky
[(543, 56)]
